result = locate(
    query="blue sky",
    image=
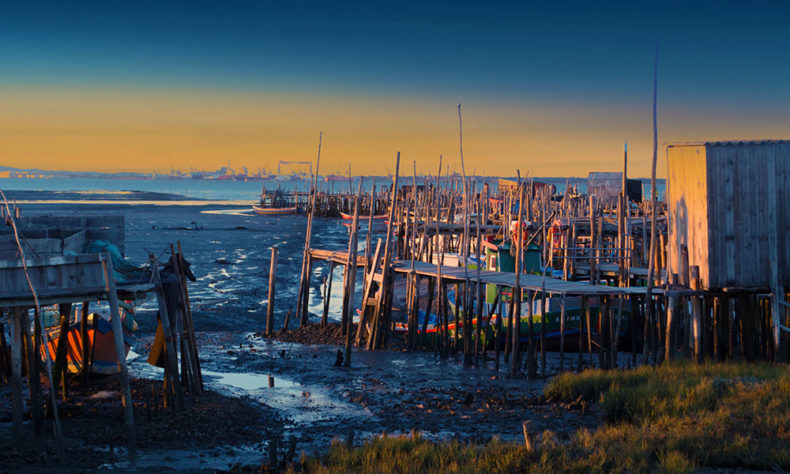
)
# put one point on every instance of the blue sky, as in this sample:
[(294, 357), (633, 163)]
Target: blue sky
[(723, 59), (524, 50)]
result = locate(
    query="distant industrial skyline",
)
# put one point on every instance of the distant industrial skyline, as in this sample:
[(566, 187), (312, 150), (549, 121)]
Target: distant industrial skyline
[(550, 88)]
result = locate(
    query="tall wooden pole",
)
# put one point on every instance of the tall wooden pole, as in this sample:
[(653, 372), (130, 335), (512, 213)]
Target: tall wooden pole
[(383, 307), (303, 297), (653, 249), (272, 282), (348, 300), (515, 321), (120, 350), (465, 251), (621, 221)]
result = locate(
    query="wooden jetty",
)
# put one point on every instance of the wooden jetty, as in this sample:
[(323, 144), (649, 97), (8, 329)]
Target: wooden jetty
[(701, 302)]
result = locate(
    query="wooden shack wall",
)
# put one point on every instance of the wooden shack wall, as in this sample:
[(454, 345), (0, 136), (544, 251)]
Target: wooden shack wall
[(687, 206), (52, 234), (738, 214), (51, 277)]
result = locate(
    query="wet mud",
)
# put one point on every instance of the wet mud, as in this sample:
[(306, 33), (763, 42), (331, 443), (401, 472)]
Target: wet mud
[(289, 391)]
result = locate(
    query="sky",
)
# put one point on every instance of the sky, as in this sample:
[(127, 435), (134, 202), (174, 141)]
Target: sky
[(548, 88)]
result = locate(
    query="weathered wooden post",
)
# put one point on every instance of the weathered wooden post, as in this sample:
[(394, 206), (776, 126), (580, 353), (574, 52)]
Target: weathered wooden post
[(272, 282), (327, 294), (562, 333), (16, 322), (516, 314), (117, 329), (383, 307), (696, 314), (304, 285), (171, 356), (348, 291)]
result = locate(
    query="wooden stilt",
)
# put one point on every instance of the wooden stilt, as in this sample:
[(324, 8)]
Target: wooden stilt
[(327, 294), (351, 265), (16, 321), (172, 384), (271, 293), (562, 333), (117, 328)]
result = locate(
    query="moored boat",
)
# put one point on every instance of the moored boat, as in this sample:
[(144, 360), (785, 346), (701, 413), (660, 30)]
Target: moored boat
[(362, 217), (102, 356), (273, 211)]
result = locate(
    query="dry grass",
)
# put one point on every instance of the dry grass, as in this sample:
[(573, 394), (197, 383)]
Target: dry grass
[(670, 419)]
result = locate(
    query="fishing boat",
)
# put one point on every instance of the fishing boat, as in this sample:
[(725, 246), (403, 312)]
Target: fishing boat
[(333, 178), (362, 217), (273, 203), (273, 211), (102, 356)]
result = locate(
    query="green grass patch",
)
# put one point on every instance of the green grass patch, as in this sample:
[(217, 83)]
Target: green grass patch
[(673, 418)]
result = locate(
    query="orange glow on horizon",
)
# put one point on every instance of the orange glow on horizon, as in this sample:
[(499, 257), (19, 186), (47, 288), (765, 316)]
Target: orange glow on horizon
[(153, 130)]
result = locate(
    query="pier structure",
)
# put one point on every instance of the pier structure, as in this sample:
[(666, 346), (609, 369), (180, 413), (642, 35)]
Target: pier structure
[(583, 265)]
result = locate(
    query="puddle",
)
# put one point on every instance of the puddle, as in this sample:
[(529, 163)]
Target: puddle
[(248, 381)]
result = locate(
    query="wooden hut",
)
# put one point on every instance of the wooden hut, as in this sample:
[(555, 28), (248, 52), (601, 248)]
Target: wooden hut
[(728, 209), (727, 202), (607, 186)]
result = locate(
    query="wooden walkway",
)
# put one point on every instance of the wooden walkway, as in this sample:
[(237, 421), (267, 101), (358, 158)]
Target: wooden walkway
[(528, 282), (504, 279), (339, 257)]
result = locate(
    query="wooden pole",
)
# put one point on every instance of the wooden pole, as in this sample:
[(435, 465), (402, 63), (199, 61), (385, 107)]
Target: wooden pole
[(16, 322), (366, 291), (197, 377), (653, 201), (352, 277), (673, 306), (272, 283), (171, 356), (301, 302), (117, 329), (382, 310), (369, 236), (479, 286), (696, 314), (621, 220), (562, 333), (516, 317), (775, 279), (61, 367), (327, 294)]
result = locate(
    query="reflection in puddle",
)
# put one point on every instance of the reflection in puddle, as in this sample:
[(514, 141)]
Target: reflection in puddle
[(249, 381)]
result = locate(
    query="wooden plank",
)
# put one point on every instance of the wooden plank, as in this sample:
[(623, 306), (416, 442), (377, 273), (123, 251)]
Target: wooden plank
[(728, 199)]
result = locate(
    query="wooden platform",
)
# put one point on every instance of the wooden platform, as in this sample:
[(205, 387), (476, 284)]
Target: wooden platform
[(528, 282), (337, 257), (503, 279)]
